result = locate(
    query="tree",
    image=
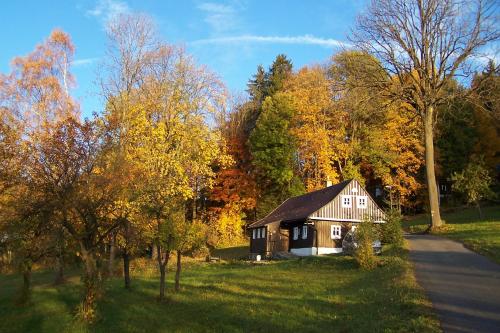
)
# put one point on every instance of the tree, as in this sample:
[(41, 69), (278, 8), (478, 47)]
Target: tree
[(474, 183), (132, 44), (486, 111), (172, 145), (75, 177), (316, 127), (273, 152), (37, 89), (424, 44), (364, 254), (457, 135), (33, 98)]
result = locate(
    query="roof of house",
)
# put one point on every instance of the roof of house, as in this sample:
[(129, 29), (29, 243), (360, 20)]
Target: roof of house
[(300, 207)]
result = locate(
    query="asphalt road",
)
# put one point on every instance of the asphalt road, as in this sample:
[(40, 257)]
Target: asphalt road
[(463, 286)]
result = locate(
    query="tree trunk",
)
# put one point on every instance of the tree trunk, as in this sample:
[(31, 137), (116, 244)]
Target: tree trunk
[(112, 250), (126, 268), (480, 211), (178, 271), (162, 265), (59, 277), (430, 172), (26, 291), (91, 285)]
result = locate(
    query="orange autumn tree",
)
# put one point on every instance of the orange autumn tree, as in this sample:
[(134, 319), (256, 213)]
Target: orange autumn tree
[(234, 193), (35, 96)]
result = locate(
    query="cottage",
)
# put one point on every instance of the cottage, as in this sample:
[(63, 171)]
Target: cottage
[(314, 223)]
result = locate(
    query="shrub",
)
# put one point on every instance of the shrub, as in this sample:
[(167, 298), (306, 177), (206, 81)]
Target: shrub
[(364, 255), (392, 233)]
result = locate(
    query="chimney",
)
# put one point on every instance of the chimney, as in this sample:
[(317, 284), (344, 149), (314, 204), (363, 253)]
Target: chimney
[(328, 182)]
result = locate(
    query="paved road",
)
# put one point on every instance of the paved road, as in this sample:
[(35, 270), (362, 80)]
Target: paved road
[(464, 287)]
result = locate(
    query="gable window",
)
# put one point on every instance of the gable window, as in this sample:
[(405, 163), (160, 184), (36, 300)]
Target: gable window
[(362, 201), (346, 201), (254, 232), (336, 231), (295, 233), (263, 232), (304, 232)]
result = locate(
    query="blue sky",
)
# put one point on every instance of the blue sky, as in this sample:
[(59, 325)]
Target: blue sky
[(230, 37)]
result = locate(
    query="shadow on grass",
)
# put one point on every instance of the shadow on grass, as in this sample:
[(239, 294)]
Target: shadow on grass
[(317, 294)]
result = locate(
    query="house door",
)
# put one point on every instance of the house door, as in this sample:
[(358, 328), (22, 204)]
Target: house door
[(280, 241)]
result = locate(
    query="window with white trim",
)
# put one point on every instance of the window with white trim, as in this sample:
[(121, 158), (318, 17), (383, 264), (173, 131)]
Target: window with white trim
[(346, 201), (336, 231), (362, 201), (258, 233), (295, 233), (263, 232), (254, 232), (304, 232)]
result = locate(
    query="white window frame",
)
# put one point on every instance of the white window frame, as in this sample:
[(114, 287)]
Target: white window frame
[(346, 203), (304, 232), (336, 231), (263, 232), (360, 204), (254, 233), (295, 233)]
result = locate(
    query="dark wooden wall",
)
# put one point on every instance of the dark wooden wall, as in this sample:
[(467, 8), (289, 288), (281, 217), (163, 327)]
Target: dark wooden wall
[(300, 243), (324, 233), (258, 245)]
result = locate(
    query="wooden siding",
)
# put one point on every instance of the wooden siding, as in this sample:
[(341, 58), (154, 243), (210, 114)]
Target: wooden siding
[(324, 233), (333, 211), (277, 238)]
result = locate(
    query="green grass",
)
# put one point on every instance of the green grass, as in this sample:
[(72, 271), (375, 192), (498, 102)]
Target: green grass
[(232, 253), (315, 294), (463, 225)]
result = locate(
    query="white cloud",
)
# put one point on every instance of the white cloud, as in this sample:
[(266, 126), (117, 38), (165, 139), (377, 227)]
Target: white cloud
[(221, 18), (304, 40), (83, 62), (106, 10)]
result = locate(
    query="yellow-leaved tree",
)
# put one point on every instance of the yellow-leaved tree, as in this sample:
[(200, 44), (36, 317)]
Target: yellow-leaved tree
[(320, 139)]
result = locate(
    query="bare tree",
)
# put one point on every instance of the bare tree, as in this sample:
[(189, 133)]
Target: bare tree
[(423, 45), (132, 40)]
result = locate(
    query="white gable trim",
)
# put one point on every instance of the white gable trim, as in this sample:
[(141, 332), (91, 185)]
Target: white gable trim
[(340, 220)]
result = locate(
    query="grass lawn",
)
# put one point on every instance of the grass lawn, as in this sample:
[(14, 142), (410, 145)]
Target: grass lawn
[(482, 236), (315, 294)]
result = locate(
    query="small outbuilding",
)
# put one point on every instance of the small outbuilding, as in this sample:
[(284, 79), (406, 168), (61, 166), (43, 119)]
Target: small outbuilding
[(314, 223)]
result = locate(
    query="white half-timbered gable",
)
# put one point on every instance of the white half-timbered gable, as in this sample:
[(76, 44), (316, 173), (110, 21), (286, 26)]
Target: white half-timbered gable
[(353, 204)]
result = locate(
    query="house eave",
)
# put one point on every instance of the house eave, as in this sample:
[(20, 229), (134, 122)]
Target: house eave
[(341, 220)]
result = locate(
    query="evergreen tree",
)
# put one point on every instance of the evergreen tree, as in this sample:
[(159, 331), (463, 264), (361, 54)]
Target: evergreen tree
[(279, 72), (273, 150)]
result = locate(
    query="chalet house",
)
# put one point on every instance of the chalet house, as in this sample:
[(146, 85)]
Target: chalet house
[(314, 223)]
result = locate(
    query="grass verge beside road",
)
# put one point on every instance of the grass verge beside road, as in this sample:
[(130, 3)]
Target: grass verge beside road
[(464, 225)]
